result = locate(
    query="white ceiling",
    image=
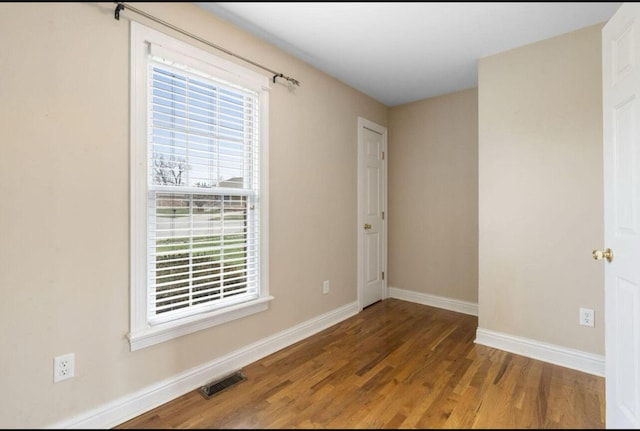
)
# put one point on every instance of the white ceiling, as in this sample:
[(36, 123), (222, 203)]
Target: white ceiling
[(399, 52)]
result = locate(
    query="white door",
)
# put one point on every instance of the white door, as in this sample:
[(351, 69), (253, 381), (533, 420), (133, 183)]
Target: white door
[(372, 238), (621, 122)]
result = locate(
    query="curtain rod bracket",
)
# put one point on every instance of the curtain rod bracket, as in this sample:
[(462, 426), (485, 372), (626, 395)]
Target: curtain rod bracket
[(288, 78), (116, 13)]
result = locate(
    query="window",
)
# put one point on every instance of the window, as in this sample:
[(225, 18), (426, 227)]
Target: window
[(198, 189)]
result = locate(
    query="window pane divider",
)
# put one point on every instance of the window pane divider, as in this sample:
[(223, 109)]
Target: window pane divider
[(202, 190)]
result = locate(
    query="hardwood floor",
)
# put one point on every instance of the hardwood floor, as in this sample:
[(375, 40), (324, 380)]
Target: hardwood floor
[(396, 364)]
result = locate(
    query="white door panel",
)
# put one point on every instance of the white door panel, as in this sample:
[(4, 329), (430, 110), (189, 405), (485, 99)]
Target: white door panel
[(621, 125), (372, 250)]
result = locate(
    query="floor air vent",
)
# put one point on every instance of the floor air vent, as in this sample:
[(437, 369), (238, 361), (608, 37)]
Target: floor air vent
[(214, 388)]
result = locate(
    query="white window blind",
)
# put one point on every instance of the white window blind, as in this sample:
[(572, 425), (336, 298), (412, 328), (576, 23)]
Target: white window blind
[(203, 183)]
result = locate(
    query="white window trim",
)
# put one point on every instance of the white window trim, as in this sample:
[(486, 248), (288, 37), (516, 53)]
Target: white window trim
[(141, 333)]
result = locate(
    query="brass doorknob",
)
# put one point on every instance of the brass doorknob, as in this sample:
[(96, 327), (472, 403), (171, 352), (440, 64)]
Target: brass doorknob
[(606, 254), (367, 226)]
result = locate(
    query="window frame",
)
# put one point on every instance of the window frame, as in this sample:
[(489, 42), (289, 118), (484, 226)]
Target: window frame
[(142, 333)]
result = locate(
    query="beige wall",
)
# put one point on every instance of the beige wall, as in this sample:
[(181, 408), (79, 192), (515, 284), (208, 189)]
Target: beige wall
[(64, 182), (541, 190), (433, 196)]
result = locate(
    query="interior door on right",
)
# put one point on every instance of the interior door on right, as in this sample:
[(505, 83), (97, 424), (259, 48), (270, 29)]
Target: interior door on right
[(621, 126)]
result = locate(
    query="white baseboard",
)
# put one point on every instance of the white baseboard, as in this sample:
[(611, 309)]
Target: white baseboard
[(558, 355), (434, 301), (130, 406)]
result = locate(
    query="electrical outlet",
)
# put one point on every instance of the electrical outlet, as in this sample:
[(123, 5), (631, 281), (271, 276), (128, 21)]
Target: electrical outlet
[(587, 317), (325, 287), (64, 367)]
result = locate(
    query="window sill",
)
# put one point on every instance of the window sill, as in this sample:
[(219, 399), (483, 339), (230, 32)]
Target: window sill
[(167, 331)]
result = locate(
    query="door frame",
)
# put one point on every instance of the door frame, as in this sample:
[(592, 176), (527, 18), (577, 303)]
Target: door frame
[(362, 124)]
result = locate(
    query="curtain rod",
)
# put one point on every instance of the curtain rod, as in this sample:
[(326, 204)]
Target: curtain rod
[(121, 6)]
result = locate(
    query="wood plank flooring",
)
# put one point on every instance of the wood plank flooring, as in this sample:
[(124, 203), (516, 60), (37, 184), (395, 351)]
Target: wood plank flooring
[(396, 364)]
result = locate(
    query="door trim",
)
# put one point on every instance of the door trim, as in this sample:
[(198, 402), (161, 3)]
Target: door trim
[(362, 124)]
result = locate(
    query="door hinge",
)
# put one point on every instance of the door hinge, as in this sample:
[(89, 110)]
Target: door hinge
[(383, 155), (383, 275), (382, 215)]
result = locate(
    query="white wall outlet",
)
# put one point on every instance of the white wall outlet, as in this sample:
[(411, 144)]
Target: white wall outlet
[(325, 286), (587, 317), (64, 367)]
